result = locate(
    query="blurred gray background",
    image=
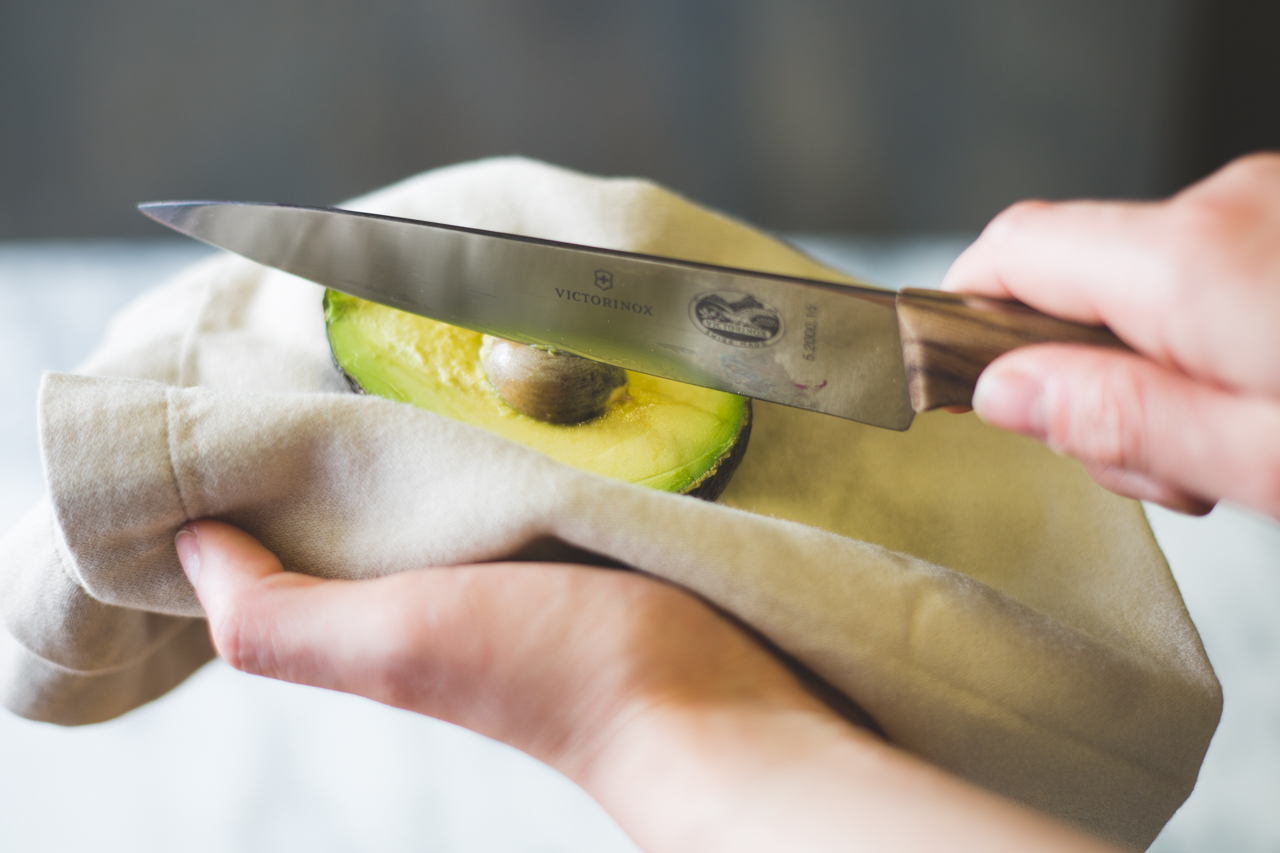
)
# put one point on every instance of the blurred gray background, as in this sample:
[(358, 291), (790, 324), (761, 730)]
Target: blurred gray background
[(876, 116), (888, 119)]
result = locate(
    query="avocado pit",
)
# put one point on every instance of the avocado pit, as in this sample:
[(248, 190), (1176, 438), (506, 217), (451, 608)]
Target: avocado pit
[(551, 386)]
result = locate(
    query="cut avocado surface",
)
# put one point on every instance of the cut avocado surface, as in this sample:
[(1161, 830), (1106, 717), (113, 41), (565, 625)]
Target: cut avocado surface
[(662, 434)]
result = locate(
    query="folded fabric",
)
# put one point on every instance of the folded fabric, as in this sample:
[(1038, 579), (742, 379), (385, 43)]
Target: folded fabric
[(990, 608)]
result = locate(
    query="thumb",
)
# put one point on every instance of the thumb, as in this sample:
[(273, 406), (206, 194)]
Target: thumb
[(1142, 430), (242, 588)]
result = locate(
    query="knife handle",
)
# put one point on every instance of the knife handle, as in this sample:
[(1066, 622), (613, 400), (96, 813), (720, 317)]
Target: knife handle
[(948, 339)]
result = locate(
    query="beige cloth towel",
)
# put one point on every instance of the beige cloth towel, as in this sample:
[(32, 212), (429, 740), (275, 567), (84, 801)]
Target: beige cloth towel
[(992, 609)]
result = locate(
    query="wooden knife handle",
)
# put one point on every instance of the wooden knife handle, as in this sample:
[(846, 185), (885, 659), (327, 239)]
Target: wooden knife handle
[(948, 339)]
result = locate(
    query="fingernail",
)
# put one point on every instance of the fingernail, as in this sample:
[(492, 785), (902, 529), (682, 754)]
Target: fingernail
[(1011, 400), (188, 545)]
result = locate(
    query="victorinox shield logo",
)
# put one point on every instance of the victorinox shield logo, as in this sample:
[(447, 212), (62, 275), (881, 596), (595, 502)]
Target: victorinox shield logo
[(604, 279), (737, 319)]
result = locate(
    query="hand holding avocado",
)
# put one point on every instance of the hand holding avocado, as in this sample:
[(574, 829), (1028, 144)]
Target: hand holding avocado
[(687, 732)]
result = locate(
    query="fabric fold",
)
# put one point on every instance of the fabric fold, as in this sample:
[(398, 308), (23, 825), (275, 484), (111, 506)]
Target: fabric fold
[(354, 487)]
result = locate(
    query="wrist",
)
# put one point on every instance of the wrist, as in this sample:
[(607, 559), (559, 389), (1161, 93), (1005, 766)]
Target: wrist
[(731, 776), (791, 774)]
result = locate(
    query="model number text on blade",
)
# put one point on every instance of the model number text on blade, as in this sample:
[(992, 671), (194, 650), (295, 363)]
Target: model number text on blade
[(810, 333)]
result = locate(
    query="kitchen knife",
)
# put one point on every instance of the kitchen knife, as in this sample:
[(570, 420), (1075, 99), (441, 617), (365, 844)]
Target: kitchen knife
[(861, 353)]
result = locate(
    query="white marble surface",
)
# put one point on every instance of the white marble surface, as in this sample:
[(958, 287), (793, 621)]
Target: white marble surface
[(232, 762)]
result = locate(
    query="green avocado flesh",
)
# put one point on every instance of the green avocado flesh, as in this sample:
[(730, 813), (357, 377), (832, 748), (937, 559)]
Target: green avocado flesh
[(662, 434)]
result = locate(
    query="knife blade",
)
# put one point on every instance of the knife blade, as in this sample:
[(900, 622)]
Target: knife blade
[(861, 353)]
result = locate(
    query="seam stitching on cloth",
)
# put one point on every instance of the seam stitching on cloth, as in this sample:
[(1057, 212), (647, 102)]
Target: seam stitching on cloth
[(60, 552), (170, 427), (1142, 663), (170, 418), (147, 651), (61, 548), (948, 685), (1057, 733)]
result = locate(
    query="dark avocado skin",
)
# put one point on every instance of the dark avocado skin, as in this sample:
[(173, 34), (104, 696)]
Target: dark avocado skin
[(708, 488), (715, 481)]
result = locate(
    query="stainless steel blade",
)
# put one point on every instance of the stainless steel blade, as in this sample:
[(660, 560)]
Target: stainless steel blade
[(810, 344)]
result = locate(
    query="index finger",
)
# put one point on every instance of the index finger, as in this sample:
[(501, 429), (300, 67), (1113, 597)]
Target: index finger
[(1087, 261), (1192, 282)]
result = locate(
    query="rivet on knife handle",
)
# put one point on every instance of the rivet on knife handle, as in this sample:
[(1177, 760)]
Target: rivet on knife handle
[(948, 340)]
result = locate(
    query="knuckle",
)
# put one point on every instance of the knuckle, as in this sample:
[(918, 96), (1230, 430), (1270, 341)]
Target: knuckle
[(1205, 232), (1016, 216), (416, 666), (243, 633), (408, 675), (1260, 166), (1101, 417), (1225, 205), (225, 632), (1201, 221)]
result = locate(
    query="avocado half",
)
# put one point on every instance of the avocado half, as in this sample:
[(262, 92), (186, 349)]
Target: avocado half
[(662, 434)]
